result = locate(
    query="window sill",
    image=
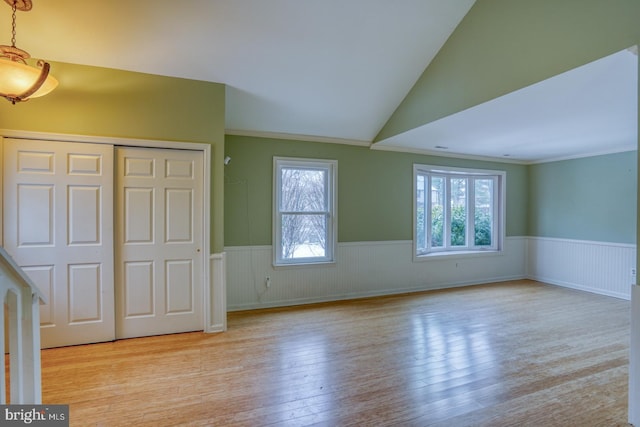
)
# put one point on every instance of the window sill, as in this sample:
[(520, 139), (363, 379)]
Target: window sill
[(304, 264), (456, 255)]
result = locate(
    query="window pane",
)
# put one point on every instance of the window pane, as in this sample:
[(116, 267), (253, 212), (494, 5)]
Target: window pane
[(437, 211), (421, 219), (303, 236), (458, 211), (303, 190), (483, 221)]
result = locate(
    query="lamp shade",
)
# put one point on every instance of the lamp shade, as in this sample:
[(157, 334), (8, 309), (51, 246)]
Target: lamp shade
[(16, 78)]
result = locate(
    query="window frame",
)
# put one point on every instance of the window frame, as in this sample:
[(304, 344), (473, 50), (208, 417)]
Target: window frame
[(470, 249), (331, 167)]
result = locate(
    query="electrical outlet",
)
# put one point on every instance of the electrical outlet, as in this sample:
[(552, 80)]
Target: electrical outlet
[(267, 282)]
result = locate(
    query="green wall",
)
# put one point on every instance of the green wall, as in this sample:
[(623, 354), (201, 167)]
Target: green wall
[(113, 103), (504, 45), (592, 198), (374, 189)]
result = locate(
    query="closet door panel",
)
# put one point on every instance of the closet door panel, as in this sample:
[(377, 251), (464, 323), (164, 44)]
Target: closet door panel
[(58, 226)]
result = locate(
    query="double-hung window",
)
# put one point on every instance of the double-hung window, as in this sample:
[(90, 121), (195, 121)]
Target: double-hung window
[(457, 210), (304, 220)]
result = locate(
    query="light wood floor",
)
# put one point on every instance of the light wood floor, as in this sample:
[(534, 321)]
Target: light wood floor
[(512, 354)]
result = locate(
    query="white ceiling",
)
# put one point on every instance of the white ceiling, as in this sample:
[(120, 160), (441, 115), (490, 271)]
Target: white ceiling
[(332, 70), (592, 109)]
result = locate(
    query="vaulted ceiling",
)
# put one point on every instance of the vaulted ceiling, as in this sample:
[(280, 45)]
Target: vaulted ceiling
[(333, 70)]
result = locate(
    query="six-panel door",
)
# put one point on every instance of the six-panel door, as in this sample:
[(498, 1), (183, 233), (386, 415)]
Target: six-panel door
[(58, 216), (159, 238)]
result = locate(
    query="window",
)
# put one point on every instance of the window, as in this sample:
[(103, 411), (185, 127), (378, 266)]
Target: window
[(304, 210), (457, 210)]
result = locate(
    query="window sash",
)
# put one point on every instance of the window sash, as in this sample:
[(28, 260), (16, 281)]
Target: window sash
[(323, 210), (424, 211)]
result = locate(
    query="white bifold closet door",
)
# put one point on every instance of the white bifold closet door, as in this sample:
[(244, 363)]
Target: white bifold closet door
[(112, 236), (58, 226), (159, 237)]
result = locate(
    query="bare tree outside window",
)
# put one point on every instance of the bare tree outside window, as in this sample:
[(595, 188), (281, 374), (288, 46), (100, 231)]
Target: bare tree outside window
[(303, 207)]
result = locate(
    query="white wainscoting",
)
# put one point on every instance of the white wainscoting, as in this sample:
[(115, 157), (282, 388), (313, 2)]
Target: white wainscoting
[(599, 267), (216, 318), (381, 268), (634, 362), (362, 269)]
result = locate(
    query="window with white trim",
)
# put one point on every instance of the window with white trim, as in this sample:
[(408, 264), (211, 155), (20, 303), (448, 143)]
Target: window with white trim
[(457, 210), (304, 220)]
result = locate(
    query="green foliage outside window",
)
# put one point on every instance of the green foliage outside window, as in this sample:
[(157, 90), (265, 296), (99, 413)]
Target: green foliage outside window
[(458, 227), (483, 228)]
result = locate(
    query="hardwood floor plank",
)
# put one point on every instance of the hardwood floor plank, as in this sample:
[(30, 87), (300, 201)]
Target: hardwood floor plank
[(509, 354)]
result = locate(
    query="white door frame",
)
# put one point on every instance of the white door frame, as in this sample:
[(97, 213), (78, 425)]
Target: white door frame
[(206, 188)]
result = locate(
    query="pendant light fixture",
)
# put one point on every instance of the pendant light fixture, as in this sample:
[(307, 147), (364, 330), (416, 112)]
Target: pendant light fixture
[(18, 80)]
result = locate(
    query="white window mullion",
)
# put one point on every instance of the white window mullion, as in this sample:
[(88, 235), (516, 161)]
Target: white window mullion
[(446, 234), (497, 217), (422, 202), (428, 217), (471, 210)]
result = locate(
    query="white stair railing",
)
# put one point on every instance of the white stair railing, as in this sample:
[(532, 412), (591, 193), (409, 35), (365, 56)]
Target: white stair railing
[(22, 298)]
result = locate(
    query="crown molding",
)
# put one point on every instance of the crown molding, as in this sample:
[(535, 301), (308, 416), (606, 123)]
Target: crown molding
[(297, 137)]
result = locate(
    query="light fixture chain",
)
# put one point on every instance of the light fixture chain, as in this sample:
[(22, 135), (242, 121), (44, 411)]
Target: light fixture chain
[(13, 23)]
